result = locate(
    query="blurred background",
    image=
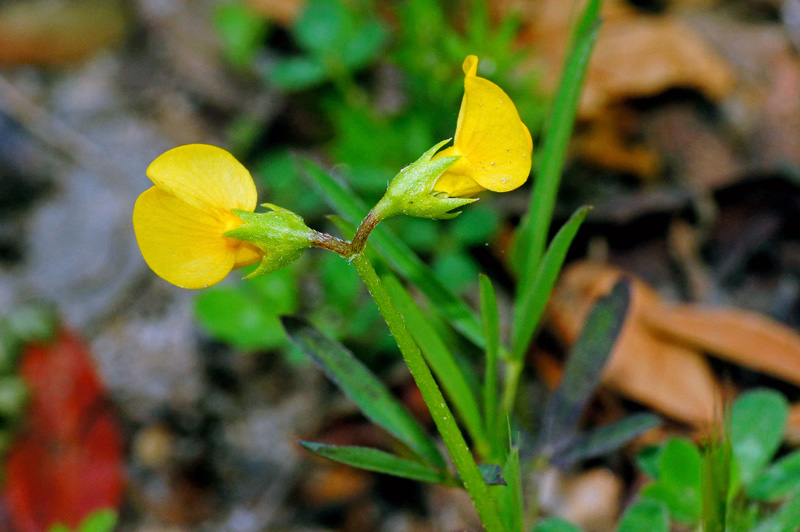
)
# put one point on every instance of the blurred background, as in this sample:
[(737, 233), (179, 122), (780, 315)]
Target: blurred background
[(182, 409)]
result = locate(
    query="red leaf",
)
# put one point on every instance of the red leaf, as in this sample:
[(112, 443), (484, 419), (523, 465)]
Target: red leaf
[(67, 460)]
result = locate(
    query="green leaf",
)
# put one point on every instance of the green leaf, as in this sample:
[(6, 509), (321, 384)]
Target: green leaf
[(231, 316), (440, 359), (365, 44), (364, 388), (555, 524), (535, 225), (324, 26), (787, 519), (716, 483), (375, 460), (402, 259), (99, 521), (758, 419), (509, 498), (33, 322), (456, 270), (13, 397), (678, 485), (10, 347), (648, 458), (645, 516), (241, 31), (534, 289), (59, 528), (584, 367), (606, 439), (277, 291), (491, 332), (476, 225), (296, 73), (778, 480)]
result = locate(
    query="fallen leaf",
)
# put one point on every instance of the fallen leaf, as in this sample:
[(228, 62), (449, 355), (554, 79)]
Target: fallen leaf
[(55, 32), (67, 459), (670, 378), (636, 55), (590, 499)]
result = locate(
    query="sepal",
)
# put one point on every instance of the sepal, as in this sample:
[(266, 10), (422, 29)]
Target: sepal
[(281, 234), (411, 191)]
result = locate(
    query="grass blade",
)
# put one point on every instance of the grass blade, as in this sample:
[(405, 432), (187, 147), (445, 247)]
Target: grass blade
[(490, 320), (440, 359), (535, 226), (375, 460), (363, 387), (584, 366), (401, 257), (531, 302)]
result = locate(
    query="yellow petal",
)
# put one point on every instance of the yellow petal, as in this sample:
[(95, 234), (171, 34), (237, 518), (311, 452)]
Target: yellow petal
[(494, 143), (247, 254), (181, 243), (204, 176)]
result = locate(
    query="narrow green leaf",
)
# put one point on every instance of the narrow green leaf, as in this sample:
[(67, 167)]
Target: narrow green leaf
[(99, 521), (230, 315), (534, 290), (645, 516), (491, 332), (440, 359), (606, 439), (758, 419), (535, 226), (402, 259), (555, 524), (716, 484), (678, 486), (363, 387), (787, 519), (509, 498), (375, 460), (778, 480), (584, 367)]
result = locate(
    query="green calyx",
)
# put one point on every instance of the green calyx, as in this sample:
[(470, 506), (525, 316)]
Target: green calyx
[(411, 191), (280, 234)]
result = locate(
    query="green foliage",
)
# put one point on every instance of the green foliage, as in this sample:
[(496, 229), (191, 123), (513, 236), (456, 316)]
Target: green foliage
[(241, 32), (758, 419), (645, 515), (363, 387), (335, 41), (778, 480), (247, 316), (98, 521), (555, 524), (678, 481)]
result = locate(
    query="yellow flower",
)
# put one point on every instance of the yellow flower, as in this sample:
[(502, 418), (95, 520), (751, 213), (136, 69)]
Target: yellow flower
[(494, 145), (179, 223)]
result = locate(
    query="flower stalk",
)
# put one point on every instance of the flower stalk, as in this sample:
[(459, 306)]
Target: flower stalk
[(445, 422)]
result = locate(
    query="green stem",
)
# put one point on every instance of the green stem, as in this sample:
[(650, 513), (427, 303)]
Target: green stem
[(513, 371), (442, 416)]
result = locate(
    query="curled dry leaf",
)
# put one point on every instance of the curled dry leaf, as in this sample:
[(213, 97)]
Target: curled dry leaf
[(659, 358), (636, 55), (54, 32)]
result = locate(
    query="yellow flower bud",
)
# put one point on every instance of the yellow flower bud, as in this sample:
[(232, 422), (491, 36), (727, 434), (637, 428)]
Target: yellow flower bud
[(494, 145)]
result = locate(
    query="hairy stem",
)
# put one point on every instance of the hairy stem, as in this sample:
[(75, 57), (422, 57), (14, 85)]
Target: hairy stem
[(442, 416)]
